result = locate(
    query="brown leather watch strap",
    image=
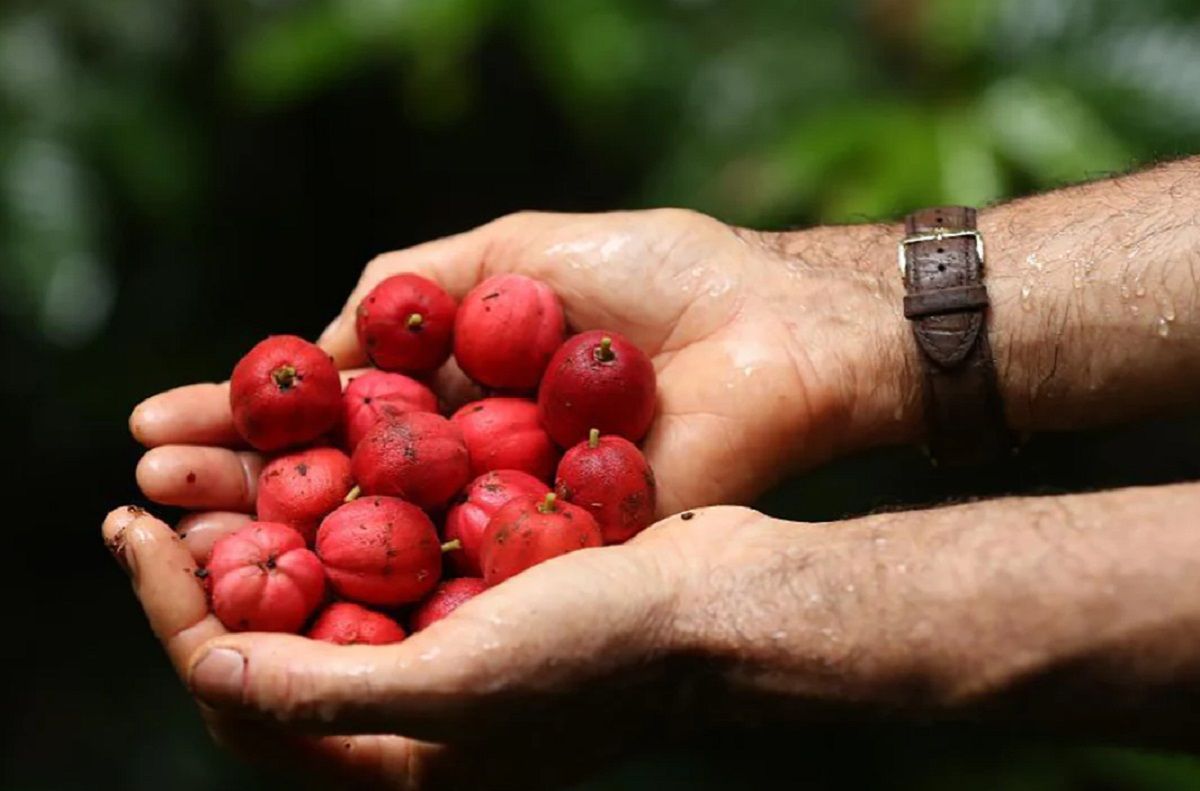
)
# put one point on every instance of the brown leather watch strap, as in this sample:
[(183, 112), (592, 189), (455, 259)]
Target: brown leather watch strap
[(942, 260)]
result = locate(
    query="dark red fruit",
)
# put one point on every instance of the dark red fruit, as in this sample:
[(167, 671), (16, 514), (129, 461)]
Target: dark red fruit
[(380, 550), (444, 600), (526, 532), (506, 331), (609, 478), (378, 394), (418, 456), (264, 579), (467, 520), (597, 380), (284, 392), (405, 324), (299, 489), (506, 434), (346, 623)]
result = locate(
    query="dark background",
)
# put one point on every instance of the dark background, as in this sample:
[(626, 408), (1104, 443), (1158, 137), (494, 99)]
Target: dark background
[(178, 178)]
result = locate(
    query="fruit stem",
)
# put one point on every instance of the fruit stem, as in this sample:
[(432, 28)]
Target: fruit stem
[(353, 494), (450, 546), (594, 438), (414, 321), (547, 506), (604, 352), (284, 376)]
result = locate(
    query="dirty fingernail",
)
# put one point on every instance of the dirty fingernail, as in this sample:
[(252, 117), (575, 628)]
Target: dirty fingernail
[(217, 677)]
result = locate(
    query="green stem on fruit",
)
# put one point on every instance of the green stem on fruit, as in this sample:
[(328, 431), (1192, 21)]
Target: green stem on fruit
[(452, 545), (353, 494), (594, 438), (284, 376), (414, 321), (547, 506), (604, 352)]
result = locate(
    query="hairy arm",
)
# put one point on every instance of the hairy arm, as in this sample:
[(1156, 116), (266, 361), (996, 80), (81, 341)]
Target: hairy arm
[(1080, 611), (1095, 294)]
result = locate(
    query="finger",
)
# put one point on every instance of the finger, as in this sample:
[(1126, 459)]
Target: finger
[(333, 761), (196, 414), (453, 263), (201, 530), (200, 477), (384, 761), (460, 678), (454, 389), (163, 575)]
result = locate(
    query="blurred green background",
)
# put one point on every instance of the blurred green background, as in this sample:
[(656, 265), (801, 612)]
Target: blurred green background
[(178, 178)]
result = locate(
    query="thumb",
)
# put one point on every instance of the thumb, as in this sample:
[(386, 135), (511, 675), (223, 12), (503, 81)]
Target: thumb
[(453, 262), (518, 650)]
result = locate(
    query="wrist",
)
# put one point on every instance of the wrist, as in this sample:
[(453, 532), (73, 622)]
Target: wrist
[(845, 287)]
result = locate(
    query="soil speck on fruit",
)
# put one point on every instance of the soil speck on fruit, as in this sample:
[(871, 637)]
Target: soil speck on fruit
[(492, 295), (686, 515), (191, 477), (302, 469)]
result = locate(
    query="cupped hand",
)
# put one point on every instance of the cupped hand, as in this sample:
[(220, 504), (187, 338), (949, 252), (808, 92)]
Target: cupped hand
[(535, 682), (774, 352)]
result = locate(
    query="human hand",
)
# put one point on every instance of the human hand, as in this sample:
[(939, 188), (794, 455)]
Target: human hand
[(774, 352), (514, 689)]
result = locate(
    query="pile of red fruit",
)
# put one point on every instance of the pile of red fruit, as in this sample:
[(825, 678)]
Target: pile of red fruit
[(375, 507)]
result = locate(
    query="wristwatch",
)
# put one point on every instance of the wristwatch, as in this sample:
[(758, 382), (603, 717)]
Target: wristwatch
[(942, 262)]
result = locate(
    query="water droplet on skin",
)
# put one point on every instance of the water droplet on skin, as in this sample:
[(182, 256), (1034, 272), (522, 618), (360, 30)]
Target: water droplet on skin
[(1134, 309), (1125, 292), (1027, 295), (1033, 262), (779, 635), (898, 414), (849, 589), (880, 541), (902, 569), (748, 370), (1163, 327), (814, 598), (431, 654), (1139, 289)]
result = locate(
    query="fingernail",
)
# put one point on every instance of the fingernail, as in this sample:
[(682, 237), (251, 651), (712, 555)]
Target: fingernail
[(217, 678), (118, 544)]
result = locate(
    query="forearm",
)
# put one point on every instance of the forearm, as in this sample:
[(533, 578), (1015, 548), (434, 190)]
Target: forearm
[(1095, 294), (1082, 608)]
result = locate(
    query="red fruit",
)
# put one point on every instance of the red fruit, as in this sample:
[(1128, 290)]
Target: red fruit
[(506, 330), (346, 623), (610, 479), (284, 392), (264, 579), (380, 550), (405, 324), (418, 456), (378, 394), (527, 531), (299, 489), (444, 600), (597, 380), (467, 520), (506, 434)]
